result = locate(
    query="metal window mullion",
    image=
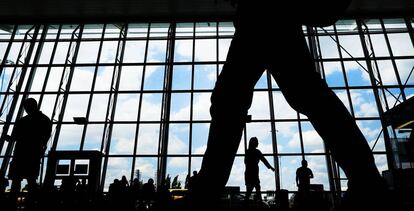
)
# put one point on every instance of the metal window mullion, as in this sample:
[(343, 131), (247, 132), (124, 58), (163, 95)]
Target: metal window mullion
[(379, 81), (394, 64), (111, 111), (351, 107), (9, 45), (273, 131), (410, 29), (13, 105), (387, 142), (31, 77), (191, 102), (318, 53), (68, 78), (140, 102), (33, 69), (9, 91), (3, 63), (50, 65), (328, 158), (166, 106), (88, 110)]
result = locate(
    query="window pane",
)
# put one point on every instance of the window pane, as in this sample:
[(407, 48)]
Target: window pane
[(357, 75), (401, 44), (224, 45), (148, 138), (287, 135), (206, 29), (88, 52), (108, 52), (134, 51), (320, 174), (405, 68), (184, 29), (379, 44), (136, 30), (151, 107), (93, 137), (178, 139), (82, 79), (123, 138), (201, 106), (312, 142), (76, 106), (183, 51), (199, 138), (352, 45), (328, 47), (39, 79), (387, 72), (260, 106), (104, 78), (288, 166), (131, 78), (205, 76), (54, 79), (177, 167), (127, 107), (237, 174), (205, 50), (263, 133), (117, 167), (147, 168), (333, 74), (156, 50), (282, 108), (69, 138), (98, 107), (154, 78), (180, 106), (181, 77), (372, 131), (364, 103)]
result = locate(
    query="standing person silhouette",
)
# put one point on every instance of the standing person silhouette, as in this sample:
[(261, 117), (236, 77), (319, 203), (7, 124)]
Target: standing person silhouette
[(303, 176), (267, 39), (31, 134), (251, 175)]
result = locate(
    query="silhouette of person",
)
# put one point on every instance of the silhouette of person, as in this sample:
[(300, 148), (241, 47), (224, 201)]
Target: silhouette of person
[(258, 46), (251, 175), (148, 192), (303, 176), (31, 134), (190, 180)]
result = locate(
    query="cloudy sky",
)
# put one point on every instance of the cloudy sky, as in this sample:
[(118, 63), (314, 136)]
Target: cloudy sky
[(150, 77)]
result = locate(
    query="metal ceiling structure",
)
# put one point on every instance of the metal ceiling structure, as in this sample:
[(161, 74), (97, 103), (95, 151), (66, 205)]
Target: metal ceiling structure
[(24, 11)]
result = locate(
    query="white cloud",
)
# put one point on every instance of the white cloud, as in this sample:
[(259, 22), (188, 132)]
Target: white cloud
[(200, 150), (147, 168), (123, 145), (310, 139), (176, 145), (177, 162)]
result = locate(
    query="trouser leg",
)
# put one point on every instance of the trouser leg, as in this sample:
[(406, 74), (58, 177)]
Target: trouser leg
[(249, 189), (230, 101), (16, 185), (308, 94), (258, 196)]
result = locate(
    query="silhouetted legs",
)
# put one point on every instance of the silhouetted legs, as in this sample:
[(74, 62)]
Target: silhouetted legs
[(230, 100), (249, 190), (16, 185), (287, 58)]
